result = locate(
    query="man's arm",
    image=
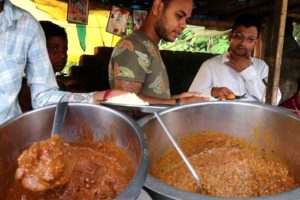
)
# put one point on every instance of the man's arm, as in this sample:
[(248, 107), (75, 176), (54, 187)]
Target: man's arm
[(135, 87), (129, 86), (256, 80), (40, 75), (183, 100), (42, 80), (92, 97)]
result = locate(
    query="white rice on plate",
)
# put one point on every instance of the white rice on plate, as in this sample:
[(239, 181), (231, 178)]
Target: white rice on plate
[(130, 98)]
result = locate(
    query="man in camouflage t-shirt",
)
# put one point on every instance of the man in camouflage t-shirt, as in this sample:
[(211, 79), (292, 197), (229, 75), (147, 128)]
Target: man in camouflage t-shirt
[(136, 65), (137, 58)]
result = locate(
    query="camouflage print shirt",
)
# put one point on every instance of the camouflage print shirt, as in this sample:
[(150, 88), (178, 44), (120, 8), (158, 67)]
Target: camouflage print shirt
[(136, 58)]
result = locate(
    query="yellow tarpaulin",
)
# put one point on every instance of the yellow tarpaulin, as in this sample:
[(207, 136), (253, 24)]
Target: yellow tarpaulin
[(56, 11)]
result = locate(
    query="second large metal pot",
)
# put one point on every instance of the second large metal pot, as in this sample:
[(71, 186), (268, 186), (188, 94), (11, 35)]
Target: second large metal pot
[(82, 120), (239, 119)]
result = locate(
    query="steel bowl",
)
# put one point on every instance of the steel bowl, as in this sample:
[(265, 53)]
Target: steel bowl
[(101, 122), (240, 119)]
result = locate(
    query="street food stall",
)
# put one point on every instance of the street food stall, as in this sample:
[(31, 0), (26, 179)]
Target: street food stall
[(120, 150)]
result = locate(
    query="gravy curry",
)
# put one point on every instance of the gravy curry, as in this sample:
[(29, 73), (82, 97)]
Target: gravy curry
[(53, 169), (229, 167)]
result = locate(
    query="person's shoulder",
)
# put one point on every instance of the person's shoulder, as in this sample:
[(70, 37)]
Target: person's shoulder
[(257, 62), (22, 16), (17, 12), (136, 38), (132, 42), (132, 37), (213, 60)]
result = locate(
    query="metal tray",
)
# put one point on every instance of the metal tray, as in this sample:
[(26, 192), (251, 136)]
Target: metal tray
[(141, 108)]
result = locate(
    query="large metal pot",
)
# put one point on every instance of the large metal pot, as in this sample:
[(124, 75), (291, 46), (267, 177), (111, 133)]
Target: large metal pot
[(239, 119), (101, 122)]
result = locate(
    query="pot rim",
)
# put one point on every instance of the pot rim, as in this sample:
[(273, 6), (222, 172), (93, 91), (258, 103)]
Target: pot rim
[(279, 109)]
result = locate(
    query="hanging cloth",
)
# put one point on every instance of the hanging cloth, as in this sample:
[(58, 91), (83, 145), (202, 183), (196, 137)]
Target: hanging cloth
[(81, 32)]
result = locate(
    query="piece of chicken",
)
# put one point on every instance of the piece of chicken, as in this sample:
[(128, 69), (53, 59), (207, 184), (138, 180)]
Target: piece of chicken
[(96, 176), (45, 165)]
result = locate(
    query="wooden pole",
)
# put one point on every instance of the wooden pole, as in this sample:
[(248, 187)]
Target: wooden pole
[(280, 12)]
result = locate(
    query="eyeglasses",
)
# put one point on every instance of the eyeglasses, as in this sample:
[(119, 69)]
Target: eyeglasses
[(241, 37)]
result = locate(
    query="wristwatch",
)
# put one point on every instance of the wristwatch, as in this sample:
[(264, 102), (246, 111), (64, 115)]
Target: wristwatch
[(178, 101)]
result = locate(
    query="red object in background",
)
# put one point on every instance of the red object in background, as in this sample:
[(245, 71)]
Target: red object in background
[(139, 17), (292, 104), (117, 22)]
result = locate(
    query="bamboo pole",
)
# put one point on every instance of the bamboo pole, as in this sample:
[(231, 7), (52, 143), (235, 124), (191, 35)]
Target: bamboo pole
[(280, 13)]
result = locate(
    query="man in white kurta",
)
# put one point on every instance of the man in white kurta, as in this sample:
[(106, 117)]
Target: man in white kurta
[(235, 72)]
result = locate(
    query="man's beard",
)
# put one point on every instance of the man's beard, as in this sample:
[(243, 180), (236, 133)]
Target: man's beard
[(236, 51), (161, 31)]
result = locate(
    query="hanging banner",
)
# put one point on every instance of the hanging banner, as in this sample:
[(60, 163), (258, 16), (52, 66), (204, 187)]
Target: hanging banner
[(78, 11), (117, 21), (139, 17), (81, 32)]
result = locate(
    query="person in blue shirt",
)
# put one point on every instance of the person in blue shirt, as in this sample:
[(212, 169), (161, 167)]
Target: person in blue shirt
[(23, 50)]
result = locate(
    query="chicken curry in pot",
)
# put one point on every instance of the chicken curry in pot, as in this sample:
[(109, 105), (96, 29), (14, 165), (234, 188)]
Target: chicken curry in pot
[(229, 167), (53, 169)]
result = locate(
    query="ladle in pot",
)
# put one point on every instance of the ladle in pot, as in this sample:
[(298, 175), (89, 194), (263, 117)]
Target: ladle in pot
[(184, 158), (59, 117)]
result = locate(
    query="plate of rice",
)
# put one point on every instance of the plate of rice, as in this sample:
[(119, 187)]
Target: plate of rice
[(132, 103)]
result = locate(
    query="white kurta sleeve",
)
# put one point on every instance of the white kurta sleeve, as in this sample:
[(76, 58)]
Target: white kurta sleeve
[(254, 76)]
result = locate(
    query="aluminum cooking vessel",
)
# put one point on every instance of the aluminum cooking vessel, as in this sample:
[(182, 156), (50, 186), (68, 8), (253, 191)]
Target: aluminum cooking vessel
[(240, 119), (100, 121)]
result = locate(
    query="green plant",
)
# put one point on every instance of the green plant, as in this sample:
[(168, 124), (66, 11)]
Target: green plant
[(189, 41), (296, 32)]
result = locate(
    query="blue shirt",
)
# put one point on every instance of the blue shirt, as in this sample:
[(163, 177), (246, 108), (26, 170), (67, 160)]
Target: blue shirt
[(23, 49)]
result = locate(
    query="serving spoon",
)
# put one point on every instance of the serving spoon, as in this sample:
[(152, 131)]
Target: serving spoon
[(59, 117), (196, 176)]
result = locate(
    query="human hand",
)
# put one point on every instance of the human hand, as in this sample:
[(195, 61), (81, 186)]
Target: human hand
[(188, 94), (239, 63), (107, 94), (186, 100), (222, 93)]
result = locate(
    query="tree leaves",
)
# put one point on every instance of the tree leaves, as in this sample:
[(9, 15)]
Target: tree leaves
[(188, 41)]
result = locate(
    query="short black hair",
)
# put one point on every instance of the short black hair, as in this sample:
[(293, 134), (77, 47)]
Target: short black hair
[(52, 30), (167, 2), (247, 20)]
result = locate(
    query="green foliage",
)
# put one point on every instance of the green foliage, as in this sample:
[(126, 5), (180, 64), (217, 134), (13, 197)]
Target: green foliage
[(296, 32), (129, 25), (188, 41), (220, 46)]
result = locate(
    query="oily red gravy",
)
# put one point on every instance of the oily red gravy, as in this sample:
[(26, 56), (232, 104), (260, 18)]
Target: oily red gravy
[(53, 169), (229, 167)]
